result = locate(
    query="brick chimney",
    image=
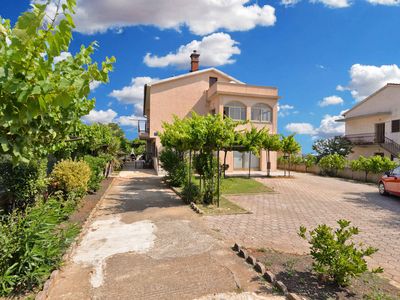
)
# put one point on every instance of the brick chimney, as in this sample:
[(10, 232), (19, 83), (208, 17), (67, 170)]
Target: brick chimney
[(194, 64)]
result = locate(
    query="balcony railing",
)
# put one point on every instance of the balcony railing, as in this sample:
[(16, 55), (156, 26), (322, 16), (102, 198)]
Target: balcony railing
[(143, 128), (362, 139)]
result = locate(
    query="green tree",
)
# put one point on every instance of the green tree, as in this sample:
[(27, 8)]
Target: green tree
[(337, 144), (332, 163), (271, 142), (289, 147), (41, 99), (252, 142), (309, 160)]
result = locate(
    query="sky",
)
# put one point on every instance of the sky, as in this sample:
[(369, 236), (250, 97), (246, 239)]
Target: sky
[(323, 55)]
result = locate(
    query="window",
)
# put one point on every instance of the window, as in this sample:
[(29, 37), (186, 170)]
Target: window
[(235, 110), (396, 171), (212, 80), (261, 113), (396, 126)]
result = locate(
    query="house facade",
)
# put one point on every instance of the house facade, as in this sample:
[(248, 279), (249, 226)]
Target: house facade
[(373, 125), (209, 91)]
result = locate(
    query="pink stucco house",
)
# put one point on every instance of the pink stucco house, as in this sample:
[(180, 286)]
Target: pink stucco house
[(208, 91)]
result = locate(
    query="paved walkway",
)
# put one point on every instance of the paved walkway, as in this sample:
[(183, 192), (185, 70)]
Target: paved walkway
[(143, 243), (311, 200)]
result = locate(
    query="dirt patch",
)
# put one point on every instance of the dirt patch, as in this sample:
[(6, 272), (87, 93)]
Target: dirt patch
[(88, 203), (296, 272)]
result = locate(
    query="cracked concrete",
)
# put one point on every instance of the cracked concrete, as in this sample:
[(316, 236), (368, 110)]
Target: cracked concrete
[(145, 244)]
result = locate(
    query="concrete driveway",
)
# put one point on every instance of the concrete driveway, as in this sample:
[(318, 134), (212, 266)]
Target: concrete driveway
[(143, 243), (311, 200)]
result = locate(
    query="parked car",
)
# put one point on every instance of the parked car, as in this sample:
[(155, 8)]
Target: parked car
[(390, 183)]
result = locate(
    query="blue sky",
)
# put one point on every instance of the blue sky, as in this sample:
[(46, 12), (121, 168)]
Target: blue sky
[(323, 55)]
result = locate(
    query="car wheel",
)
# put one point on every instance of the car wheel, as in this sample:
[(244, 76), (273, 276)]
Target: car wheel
[(382, 189)]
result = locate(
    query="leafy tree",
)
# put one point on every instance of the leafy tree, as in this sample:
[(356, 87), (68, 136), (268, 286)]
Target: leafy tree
[(289, 147), (336, 145), (309, 160), (271, 142), (332, 163), (42, 98), (138, 146), (252, 142), (374, 164)]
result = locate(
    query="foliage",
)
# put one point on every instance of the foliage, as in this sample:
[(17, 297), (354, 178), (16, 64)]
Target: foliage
[(41, 97), (71, 176), (332, 163), (334, 255), (138, 146), (24, 182), (290, 146), (32, 244), (374, 164), (173, 163), (309, 160), (336, 145), (97, 167), (271, 142), (191, 192)]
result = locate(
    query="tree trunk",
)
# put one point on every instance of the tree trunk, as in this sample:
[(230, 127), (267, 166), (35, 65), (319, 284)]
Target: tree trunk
[(268, 163), (218, 179), (249, 163), (190, 175), (290, 165), (225, 153)]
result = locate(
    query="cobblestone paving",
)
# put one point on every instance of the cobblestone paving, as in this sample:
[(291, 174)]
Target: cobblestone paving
[(310, 200)]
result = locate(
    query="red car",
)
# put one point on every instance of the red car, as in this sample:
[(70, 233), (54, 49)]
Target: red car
[(390, 183)]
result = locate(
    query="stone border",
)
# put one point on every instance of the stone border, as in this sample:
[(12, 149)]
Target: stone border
[(196, 208), (268, 275), (44, 293)]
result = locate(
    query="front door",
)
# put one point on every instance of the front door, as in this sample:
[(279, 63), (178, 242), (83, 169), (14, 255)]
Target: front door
[(380, 133), (241, 161)]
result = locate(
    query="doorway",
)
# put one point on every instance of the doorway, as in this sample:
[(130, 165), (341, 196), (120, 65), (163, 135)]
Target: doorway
[(380, 133), (241, 161)]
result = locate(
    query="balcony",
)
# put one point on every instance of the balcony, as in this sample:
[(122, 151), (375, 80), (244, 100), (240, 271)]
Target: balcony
[(362, 139), (143, 129), (228, 88)]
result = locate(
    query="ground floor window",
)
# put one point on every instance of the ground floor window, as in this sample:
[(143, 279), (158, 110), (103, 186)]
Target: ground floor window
[(241, 161)]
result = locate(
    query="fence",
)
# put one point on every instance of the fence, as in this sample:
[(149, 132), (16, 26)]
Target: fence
[(346, 173)]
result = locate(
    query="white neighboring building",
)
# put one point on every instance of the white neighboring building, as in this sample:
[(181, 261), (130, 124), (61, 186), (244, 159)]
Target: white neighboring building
[(373, 125)]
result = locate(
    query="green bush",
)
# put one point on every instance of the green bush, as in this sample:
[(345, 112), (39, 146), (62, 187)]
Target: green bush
[(191, 193), (32, 244), (374, 164), (97, 167), (24, 182), (71, 176), (332, 163), (333, 254), (174, 164)]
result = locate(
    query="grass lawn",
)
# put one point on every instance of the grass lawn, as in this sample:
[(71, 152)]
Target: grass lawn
[(232, 186)]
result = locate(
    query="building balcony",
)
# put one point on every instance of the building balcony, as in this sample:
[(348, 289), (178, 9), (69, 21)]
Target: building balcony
[(362, 139), (143, 129), (228, 88)]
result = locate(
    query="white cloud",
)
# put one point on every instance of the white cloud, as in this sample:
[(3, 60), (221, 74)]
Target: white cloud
[(285, 110), (100, 116), (301, 128), (216, 49), (63, 56), (366, 79), (385, 2), (333, 3), (133, 93), (289, 2), (94, 85), (331, 100), (328, 127), (130, 121), (202, 17)]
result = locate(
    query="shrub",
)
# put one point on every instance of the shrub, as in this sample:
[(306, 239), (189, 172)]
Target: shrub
[(191, 192), (32, 244), (97, 167), (71, 176), (309, 160), (332, 163), (333, 254), (24, 182), (374, 164), (174, 164)]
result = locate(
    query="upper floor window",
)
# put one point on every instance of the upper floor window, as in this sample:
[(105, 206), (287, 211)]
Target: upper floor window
[(261, 113), (212, 80), (235, 110), (396, 126)]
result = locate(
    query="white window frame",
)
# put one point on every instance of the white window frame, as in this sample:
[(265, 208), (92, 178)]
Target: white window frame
[(264, 115), (239, 107)]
